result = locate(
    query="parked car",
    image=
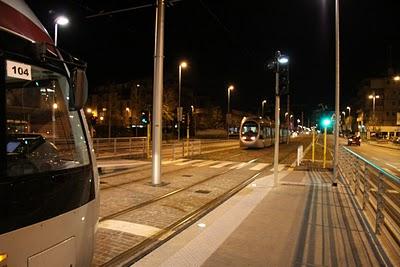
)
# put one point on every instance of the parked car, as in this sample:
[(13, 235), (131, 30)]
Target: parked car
[(396, 140), (354, 140)]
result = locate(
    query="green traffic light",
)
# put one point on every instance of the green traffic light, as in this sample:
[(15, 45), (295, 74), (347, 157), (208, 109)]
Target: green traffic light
[(326, 122)]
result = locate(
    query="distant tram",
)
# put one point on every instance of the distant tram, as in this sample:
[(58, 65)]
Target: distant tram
[(257, 132), (49, 185)]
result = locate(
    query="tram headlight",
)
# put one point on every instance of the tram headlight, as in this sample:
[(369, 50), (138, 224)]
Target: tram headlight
[(253, 138)]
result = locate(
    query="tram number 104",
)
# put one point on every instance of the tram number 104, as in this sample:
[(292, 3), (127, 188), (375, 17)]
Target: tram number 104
[(18, 70)]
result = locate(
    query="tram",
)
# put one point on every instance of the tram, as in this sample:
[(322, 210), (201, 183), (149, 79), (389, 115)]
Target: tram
[(49, 185), (258, 132)]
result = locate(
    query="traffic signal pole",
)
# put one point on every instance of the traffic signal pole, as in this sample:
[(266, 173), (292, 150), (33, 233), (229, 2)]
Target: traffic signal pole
[(158, 93), (324, 164)]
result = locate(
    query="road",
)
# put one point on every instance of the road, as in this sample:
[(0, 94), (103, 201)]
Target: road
[(134, 214), (386, 158)]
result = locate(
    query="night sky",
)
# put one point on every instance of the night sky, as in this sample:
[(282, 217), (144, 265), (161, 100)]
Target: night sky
[(226, 41)]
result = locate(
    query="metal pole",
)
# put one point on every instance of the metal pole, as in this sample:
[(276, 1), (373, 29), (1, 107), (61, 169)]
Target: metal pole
[(313, 145), (179, 103), (373, 111), (262, 109), (55, 34), (227, 114), (337, 96), (324, 147), (157, 93), (276, 151), (187, 133), (288, 117), (109, 116)]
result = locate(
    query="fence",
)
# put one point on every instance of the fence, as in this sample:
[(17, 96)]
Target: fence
[(138, 147), (123, 146), (377, 193)]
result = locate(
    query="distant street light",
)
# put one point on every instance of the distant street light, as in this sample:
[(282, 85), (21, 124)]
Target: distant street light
[(61, 20), (349, 109), (89, 110), (373, 97), (182, 65), (228, 114), (396, 78), (262, 107)]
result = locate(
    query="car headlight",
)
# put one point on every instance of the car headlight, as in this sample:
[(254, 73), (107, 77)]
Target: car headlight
[(253, 138)]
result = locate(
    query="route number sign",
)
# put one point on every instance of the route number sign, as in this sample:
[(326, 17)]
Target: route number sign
[(18, 70)]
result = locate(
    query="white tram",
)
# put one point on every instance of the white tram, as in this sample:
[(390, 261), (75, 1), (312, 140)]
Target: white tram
[(48, 182), (257, 132)]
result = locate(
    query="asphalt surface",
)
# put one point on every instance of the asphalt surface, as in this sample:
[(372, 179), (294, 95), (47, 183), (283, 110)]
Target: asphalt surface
[(385, 158)]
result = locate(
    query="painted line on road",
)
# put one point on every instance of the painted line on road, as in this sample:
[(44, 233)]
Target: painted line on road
[(222, 164), (259, 166), (393, 166), (209, 162), (280, 167), (243, 164), (375, 158), (130, 228), (189, 162), (389, 171), (173, 161), (238, 166)]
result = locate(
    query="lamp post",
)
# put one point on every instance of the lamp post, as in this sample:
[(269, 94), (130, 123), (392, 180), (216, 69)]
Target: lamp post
[(374, 96), (228, 113), (61, 20), (279, 60), (337, 95), (182, 65), (262, 107)]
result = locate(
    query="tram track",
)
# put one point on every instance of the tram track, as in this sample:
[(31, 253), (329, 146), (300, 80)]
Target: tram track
[(156, 199), (139, 168), (149, 244)]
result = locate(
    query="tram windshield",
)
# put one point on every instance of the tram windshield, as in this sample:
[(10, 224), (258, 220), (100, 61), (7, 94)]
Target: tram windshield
[(42, 134), (249, 128)]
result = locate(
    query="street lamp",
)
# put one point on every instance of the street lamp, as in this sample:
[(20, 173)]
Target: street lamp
[(373, 97), (182, 65), (262, 107), (349, 109), (61, 20), (396, 78), (228, 114)]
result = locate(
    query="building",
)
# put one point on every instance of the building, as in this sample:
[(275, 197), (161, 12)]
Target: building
[(378, 104)]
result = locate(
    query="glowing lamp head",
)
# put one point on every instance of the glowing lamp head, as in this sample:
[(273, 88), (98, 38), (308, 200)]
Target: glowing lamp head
[(62, 20), (283, 60), (231, 87), (396, 78), (183, 65)]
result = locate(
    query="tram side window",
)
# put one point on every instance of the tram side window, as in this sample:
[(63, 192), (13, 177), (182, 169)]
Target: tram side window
[(42, 134)]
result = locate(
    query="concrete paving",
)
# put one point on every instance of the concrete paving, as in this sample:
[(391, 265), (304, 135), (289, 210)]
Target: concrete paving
[(303, 222)]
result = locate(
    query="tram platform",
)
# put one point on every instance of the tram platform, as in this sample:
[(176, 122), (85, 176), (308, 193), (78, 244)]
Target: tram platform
[(302, 222)]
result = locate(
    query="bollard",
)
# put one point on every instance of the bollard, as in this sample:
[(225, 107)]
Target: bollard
[(299, 155)]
